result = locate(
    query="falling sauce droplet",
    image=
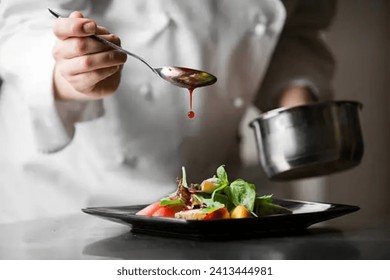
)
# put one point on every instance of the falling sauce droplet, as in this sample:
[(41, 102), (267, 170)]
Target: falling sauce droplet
[(191, 114)]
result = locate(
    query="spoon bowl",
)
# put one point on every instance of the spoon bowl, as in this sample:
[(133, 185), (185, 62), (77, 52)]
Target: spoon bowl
[(186, 77)]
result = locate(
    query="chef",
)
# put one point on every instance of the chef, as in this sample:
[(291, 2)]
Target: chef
[(83, 125)]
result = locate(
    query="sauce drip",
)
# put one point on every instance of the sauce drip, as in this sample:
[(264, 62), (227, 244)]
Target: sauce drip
[(189, 79), (191, 114)]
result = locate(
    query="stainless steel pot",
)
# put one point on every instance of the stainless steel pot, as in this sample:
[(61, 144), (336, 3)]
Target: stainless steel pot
[(309, 140)]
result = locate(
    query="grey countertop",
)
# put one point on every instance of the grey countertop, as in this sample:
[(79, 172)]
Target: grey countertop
[(86, 237)]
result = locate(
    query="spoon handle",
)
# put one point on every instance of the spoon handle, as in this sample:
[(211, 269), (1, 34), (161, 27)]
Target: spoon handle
[(112, 45)]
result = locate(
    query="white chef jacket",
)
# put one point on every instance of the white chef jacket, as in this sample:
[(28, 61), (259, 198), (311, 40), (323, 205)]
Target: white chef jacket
[(59, 156)]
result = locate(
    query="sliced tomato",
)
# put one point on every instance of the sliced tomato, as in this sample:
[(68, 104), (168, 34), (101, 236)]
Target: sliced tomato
[(221, 213), (167, 211), (150, 209)]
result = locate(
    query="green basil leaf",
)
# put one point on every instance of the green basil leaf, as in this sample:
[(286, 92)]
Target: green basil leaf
[(264, 199), (243, 193), (209, 210), (167, 201), (222, 180), (219, 188), (209, 202), (265, 207), (221, 198), (222, 175)]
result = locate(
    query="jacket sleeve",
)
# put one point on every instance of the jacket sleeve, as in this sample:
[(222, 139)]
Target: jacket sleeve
[(26, 66), (301, 56)]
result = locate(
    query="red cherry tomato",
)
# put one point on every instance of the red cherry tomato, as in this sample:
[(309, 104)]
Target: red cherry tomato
[(150, 209)]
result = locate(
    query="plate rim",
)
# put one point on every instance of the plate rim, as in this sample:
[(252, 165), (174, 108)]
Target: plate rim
[(222, 229), (337, 207)]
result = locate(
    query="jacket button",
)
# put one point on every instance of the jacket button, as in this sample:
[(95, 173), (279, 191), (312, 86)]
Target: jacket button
[(238, 102), (260, 25), (259, 29)]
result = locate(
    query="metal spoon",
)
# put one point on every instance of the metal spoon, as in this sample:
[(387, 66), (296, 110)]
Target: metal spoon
[(178, 76)]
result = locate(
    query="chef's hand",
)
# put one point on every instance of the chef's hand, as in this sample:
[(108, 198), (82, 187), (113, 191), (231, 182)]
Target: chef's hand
[(85, 69), (295, 96)]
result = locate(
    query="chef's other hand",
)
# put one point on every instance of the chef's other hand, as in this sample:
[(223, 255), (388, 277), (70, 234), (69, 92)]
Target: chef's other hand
[(295, 96), (85, 69)]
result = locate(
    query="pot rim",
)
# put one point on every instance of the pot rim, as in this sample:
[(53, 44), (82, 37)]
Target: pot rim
[(278, 111)]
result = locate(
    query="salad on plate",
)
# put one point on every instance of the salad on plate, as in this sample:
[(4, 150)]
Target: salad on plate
[(214, 198)]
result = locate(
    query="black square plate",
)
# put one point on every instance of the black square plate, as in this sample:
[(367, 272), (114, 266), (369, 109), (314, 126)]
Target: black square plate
[(304, 214)]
